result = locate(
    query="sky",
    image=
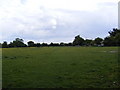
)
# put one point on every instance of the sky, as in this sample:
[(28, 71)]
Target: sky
[(56, 20)]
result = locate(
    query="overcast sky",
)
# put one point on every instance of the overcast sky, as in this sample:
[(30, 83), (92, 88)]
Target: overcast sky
[(56, 20)]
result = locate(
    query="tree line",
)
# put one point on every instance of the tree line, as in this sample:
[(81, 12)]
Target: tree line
[(112, 40)]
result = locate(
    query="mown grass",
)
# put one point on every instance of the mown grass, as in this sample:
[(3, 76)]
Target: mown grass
[(60, 67), (0, 68)]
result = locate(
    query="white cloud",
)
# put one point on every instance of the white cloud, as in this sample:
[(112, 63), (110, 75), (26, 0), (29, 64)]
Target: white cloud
[(54, 19), (68, 4)]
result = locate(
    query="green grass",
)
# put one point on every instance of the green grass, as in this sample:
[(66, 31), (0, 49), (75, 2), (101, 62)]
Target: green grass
[(60, 67), (0, 68)]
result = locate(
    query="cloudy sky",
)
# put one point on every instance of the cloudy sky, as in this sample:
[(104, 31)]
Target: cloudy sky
[(56, 20)]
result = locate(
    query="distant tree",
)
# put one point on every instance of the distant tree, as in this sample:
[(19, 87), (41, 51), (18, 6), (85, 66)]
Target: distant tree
[(44, 44), (17, 43), (109, 41), (19, 40), (114, 32), (117, 39), (11, 44), (98, 41), (70, 44), (0, 45), (78, 41), (4, 45), (65, 44), (51, 44), (37, 44), (88, 42), (62, 44), (31, 44), (113, 39), (54, 44)]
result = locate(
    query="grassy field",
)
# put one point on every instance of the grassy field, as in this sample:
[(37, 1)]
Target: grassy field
[(60, 67), (0, 68)]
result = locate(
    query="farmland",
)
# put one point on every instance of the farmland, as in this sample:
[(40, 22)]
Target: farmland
[(60, 67)]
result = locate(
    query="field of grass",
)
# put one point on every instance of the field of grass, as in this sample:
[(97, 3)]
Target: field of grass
[(0, 68), (60, 67)]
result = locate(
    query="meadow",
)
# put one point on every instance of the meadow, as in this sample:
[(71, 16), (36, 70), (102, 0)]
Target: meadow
[(60, 67)]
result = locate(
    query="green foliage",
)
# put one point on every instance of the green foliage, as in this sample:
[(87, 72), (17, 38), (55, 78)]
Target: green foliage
[(4, 45), (44, 44), (114, 32), (60, 67), (113, 39), (30, 44), (62, 44), (78, 41), (109, 41), (17, 43), (117, 38), (0, 45), (98, 41), (38, 45), (88, 42)]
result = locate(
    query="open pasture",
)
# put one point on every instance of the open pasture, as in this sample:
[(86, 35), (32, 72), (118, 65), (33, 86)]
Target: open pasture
[(60, 67)]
